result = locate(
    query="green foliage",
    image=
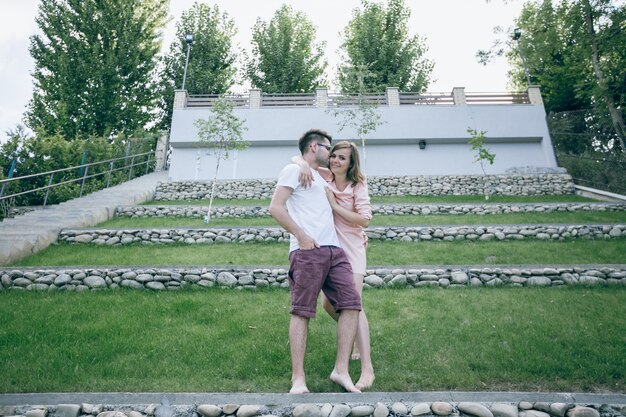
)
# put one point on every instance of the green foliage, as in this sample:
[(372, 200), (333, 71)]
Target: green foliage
[(596, 170), (569, 131), (211, 68), (95, 66), (575, 52), (364, 117), (477, 144), (285, 57), (43, 153), (220, 133), (378, 37)]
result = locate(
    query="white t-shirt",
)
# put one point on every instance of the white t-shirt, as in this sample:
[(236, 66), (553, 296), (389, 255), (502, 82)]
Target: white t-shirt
[(309, 208)]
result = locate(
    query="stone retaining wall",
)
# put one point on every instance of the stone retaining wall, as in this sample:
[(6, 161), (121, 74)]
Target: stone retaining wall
[(388, 209), (398, 233), (174, 278), (535, 184), (378, 409)]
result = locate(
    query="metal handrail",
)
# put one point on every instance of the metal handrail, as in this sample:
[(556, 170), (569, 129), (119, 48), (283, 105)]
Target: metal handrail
[(82, 178), (7, 180)]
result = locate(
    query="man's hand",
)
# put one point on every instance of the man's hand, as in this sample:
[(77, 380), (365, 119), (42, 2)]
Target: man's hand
[(281, 215), (306, 243)]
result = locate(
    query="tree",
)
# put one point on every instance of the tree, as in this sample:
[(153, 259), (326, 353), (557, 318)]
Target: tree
[(285, 57), (362, 116), (220, 133), (575, 53), (211, 68), (591, 17), (378, 37), (95, 66), (483, 155)]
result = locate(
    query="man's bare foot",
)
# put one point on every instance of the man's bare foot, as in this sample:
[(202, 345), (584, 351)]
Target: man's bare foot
[(298, 387), (344, 380), (365, 381)]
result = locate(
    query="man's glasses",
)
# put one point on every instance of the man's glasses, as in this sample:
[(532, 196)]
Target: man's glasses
[(328, 147)]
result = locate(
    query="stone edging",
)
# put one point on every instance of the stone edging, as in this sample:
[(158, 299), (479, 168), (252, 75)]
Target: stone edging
[(207, 235), (508, 184), (378, 409), (174, 278), (388, 209)]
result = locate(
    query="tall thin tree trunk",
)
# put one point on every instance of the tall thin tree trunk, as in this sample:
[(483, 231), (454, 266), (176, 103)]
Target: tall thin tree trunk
[(616, 116), (364, 155), (217, 168)]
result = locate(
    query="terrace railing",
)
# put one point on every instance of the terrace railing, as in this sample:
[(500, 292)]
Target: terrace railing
[(411, 99), (338, 100), (207, 100), (391, 97), (497, 98), (288, 100)]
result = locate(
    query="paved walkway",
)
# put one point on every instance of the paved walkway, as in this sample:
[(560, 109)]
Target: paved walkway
[(31, 232)]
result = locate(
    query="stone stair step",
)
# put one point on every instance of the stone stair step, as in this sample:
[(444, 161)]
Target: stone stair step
[(172, 278), (417, 209), (207, 235)]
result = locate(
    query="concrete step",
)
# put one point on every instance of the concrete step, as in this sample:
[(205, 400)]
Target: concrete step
[(30, 232), (379, 404)]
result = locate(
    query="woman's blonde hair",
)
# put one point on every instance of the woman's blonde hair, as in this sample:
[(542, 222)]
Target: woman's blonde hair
[(354, 173)]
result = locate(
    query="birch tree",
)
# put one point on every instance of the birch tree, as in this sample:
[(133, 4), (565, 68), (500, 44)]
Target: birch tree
[(220, 133)]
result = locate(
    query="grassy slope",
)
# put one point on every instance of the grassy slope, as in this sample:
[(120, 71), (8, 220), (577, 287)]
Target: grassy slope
[(501, 339)]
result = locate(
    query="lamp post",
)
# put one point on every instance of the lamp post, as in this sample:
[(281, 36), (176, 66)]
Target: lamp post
[(189, 41), (517, 34)]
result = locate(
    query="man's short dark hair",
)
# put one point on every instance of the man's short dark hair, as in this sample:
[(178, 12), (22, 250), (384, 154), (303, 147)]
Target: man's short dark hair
[(313, 135)]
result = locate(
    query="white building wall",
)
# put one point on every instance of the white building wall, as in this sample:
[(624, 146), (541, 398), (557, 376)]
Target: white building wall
[(516, 133)]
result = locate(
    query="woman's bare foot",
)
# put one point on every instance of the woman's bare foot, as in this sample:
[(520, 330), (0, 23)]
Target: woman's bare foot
[(365, 381), (298, 387), (356, 355), (344, 380)]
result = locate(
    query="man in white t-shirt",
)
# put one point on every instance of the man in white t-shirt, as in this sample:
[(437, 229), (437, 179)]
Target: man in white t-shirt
[(316, 261)]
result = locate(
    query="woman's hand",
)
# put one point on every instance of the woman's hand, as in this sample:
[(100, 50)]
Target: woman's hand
[(306, 175), (331, 197)]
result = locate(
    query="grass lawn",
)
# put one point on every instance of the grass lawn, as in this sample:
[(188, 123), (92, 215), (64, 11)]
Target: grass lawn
[(586, 217), (379, 253), (408, 199), (496, 339)]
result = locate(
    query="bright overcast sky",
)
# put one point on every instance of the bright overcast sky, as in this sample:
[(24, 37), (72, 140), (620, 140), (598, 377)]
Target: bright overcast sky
[(454, 30)]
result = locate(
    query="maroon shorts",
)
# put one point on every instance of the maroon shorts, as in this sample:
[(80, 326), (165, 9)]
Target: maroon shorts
[(326, 269)]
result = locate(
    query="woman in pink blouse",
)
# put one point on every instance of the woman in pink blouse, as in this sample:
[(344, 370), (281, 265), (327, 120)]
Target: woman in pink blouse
[(352, 211)]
